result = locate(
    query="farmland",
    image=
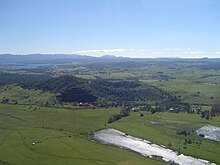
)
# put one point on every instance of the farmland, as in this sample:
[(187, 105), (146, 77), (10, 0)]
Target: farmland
[(49, 114), (162, 128), (59, 137)]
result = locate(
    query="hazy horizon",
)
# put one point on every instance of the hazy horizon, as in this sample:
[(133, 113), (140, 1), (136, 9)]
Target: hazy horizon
[(189, 57)]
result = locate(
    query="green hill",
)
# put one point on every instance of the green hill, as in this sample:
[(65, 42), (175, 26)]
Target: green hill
[(100, 92)]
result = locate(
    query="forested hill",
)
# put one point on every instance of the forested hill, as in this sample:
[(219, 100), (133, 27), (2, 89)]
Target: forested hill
[(74, 89), (110, 93), (22, 79), (98, 92)]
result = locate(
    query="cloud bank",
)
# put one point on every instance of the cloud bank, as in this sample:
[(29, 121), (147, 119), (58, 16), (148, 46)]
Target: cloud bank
[(149, 53), (102, 51)]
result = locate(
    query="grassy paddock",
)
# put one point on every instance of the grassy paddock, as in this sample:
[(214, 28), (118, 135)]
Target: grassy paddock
[(18, 95), (164, 130), (57, 136)]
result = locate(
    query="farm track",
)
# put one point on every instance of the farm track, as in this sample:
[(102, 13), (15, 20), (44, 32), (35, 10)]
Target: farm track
[(14, 117), (2, 143), (73, 148), (59, 156), (26, 156), (5, 139)]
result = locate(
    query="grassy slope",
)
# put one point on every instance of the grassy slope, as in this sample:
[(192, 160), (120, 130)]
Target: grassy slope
[(188, 82), (165, 132), (26, 96), (187, 90), (60, 137)]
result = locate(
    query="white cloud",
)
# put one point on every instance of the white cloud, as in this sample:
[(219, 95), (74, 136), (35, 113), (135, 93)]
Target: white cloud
[(177, 49), (186, 52), (142, 50), (158, 53), (168, 52), (198, 52), (101, 51)]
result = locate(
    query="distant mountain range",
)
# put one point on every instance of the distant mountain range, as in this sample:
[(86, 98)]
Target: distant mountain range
[(75, 58), (56, 58)]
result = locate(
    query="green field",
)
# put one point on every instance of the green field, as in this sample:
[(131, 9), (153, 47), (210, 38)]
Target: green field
[(38, 127), (60, 137), (189, 91), (164, 130), (18, 95)]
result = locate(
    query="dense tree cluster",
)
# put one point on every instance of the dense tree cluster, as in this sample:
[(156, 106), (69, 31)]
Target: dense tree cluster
[(26, 80), (123, 113), (215, 111)]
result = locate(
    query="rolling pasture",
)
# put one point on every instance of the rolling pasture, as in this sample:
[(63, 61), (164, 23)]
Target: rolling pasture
[(33, 130), (58, 136), (193, 82), (18, 95), (162, 128)]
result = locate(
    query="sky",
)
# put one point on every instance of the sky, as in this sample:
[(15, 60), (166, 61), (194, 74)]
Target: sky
[(132, 28)]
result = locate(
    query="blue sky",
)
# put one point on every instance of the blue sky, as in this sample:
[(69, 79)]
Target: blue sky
[(134, 28)]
